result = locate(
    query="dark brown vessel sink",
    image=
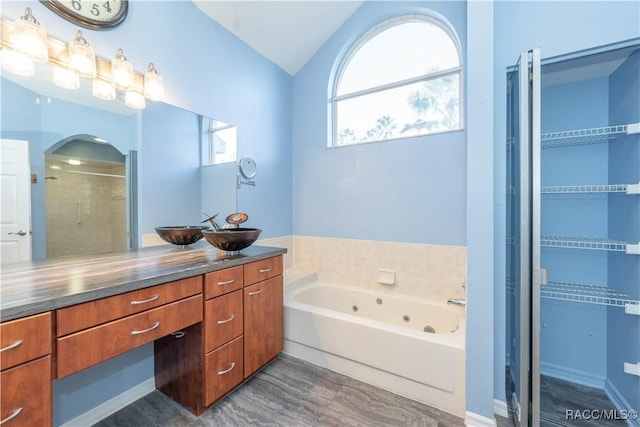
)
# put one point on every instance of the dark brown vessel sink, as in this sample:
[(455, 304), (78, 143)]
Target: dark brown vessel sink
[(232, 239), (181, 235)]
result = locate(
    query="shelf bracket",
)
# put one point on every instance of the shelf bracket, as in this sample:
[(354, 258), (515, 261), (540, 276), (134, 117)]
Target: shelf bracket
[(632, 368), (633, 188), (632, 309), (633, 249)]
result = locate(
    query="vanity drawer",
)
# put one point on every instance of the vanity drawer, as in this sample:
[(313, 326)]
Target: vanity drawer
[(262, 270), (93, 313), (222, 320), (223, 281), (89, 347), (223, 370), (25, 339), (25, 394)]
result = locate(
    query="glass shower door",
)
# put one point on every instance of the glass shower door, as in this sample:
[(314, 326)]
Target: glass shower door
[(522, 257)]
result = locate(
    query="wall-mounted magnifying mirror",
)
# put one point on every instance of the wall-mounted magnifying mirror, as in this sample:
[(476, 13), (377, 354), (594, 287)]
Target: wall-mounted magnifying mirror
[(248, 167), (248, 170)]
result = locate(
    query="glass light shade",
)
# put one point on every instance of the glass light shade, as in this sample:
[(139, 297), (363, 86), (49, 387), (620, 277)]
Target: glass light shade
[(153, 84), (66, 78), (134, 99), (82, 57), (104, 90), (17, 63), (29, 38), (121, 71)]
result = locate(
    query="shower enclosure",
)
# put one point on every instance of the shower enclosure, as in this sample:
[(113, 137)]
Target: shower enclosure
[(573, 238)]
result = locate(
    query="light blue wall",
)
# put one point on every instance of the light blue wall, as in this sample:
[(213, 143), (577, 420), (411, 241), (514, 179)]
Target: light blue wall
[(170, 160), (480, 222), (558, 27), (410, 190), (211, 72)]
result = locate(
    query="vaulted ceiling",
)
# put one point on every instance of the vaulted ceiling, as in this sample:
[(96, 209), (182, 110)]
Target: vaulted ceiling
[(288, 33)]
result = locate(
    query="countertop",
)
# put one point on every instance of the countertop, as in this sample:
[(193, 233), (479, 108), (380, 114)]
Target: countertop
[(35, 287)]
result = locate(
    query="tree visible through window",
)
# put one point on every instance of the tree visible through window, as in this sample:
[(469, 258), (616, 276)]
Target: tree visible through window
[(401, 79)]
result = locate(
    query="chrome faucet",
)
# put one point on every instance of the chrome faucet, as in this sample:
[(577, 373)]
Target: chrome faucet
[(460, 302)]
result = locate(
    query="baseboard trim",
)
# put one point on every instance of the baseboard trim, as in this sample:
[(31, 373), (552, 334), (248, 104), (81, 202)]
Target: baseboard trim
[(475, 420), (620, 402), (500, 408), (113, 405), (572, 375)]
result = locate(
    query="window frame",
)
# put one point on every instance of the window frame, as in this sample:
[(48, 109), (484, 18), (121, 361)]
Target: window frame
[(364, 39)]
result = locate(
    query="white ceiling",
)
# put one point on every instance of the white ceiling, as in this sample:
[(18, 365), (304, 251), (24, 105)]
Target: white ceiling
[(288, 33)]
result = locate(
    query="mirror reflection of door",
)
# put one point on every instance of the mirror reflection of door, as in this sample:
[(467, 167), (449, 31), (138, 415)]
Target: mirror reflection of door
[(85, 197)]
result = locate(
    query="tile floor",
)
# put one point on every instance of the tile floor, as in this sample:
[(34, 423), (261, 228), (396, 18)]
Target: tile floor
[(290, 393)]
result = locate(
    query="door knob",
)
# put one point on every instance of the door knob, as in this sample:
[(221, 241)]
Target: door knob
[(20, 233)]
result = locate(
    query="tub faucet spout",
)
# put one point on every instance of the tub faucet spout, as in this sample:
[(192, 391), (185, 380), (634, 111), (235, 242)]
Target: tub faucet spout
[(460, 302)]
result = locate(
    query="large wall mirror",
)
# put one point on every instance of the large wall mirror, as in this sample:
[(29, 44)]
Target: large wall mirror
[(105, 175)]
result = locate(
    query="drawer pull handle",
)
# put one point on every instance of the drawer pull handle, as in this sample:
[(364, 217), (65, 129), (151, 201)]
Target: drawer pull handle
[(12, 346), (153, 298), (178, 334), (12, 416), (265, 270), (255, 292), (145, 330), (220, 322), (226, 371), (226, 282)]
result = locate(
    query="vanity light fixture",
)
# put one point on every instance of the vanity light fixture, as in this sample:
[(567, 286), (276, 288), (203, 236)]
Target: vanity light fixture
[(29, 38), (66, 78), (23, 41), (121, 71), (153, 84), (17, 63), (103, 89), (82, 57), (134, 99)]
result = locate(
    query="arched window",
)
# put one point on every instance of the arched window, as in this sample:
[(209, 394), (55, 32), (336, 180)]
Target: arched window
[(401, 79)]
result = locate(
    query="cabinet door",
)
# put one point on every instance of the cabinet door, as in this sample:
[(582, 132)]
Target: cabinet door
[(223, 370), (222, 319), (263, 336), (25, 339), (25, 394)]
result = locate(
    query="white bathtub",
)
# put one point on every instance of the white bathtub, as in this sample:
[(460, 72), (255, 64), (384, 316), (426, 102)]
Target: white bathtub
[(381, 340)]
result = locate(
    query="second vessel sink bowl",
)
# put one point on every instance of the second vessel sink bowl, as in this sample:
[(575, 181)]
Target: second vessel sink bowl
[(181, 235), (232, 239)]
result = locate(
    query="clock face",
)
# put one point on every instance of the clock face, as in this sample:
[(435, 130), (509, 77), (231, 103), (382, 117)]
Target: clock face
[(93, 14)]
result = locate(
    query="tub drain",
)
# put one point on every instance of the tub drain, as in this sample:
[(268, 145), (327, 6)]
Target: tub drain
[(355, 308), (379, 301), (406, 318), (430, 329)]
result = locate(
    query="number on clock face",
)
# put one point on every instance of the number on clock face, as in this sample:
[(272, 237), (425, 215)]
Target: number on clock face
[(94, 14)]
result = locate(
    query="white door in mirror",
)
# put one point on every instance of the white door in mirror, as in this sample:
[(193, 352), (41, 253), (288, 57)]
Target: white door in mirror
[(15, 217)]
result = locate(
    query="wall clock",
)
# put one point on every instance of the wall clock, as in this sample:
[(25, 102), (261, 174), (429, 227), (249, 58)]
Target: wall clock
[(95, 15)]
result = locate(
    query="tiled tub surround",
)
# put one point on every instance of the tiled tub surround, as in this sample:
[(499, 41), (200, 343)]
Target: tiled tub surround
[(433, 272)]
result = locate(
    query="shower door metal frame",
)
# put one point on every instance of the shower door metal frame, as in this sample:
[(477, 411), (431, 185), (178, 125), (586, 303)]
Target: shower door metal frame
[(532, 276)]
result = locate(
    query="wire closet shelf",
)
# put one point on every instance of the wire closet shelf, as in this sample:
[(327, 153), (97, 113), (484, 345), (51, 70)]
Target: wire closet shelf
[(583, 293), (589, 136), (591, 243)]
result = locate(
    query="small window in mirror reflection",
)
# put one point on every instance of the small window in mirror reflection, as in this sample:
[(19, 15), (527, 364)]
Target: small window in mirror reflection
[(222, 142)]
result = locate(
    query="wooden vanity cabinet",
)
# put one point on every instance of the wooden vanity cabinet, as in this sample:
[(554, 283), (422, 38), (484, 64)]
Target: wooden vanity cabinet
[(124, 322), (263, 327), (241, 324), (25, 379)]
